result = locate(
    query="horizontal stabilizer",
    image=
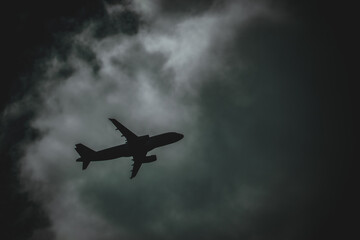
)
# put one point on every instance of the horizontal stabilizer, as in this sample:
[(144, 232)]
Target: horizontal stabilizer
[(85, 164)]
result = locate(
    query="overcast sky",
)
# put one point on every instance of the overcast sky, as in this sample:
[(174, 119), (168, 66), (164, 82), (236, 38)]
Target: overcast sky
[(260, 90)]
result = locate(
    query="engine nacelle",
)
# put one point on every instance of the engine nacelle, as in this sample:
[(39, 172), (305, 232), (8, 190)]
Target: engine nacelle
[(148, 159)]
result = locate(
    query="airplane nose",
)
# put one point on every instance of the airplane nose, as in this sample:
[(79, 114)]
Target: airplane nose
[(181, 136)]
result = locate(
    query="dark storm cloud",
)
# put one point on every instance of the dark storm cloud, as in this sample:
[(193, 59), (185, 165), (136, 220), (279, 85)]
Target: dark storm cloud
[(242, 85), (85, 53), (34, 33), (19, 214), (39, 30), (289, 154), (125, 21), (187, 6)]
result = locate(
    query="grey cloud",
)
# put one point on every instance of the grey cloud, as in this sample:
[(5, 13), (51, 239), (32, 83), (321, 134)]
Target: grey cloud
[(132, 67), (226, 78)]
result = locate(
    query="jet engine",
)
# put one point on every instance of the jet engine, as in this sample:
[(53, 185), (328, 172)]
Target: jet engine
[(148, 159)]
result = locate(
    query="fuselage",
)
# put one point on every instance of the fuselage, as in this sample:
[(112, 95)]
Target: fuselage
[(137, 148)]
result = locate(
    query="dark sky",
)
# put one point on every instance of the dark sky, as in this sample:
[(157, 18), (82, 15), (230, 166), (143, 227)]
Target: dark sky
[(262, 90)]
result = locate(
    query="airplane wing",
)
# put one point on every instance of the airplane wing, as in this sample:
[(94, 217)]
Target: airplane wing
[(136, 166), (129, 135)]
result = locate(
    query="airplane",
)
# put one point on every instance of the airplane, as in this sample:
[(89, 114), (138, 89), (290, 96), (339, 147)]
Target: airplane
[(135, 146)]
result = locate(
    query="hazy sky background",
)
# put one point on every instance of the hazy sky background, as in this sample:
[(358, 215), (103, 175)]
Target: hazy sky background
[(260, 89)]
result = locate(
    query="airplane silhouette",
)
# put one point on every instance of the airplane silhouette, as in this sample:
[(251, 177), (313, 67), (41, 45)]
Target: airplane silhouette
[(135, 146)]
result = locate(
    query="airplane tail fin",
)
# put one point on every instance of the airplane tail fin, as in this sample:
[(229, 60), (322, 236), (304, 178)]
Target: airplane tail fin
[(85, 154), (83, 150)]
